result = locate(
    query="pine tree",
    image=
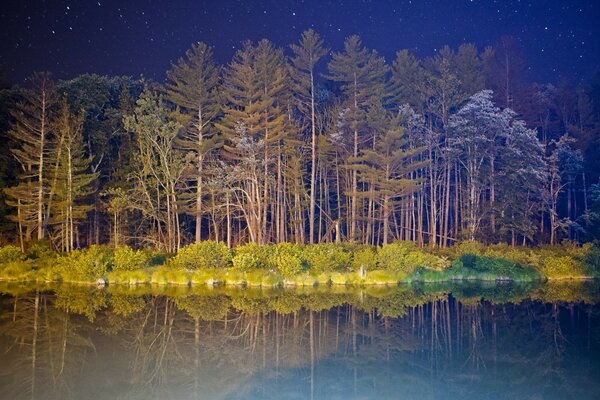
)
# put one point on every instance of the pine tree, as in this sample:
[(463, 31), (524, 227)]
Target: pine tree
[(362, 74), (193, 87), (73, 178), (257, 94), (306, 56), (31, 131)]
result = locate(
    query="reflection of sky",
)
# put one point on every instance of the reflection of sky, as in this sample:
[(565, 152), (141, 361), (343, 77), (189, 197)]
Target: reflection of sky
[(147, 347)]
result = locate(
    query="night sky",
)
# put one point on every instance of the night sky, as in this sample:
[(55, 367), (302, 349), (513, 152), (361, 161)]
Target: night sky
[(559, 38)]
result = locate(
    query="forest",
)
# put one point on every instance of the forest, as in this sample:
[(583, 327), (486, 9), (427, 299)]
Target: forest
[(305, 145)]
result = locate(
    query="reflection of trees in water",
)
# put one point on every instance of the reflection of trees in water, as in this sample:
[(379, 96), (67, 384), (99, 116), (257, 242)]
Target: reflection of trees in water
[(217, 344), (45, 347)]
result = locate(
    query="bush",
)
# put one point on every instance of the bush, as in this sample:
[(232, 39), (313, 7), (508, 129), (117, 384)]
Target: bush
[(566, 260), (127, 259), (10, 253), (40, 249), (365, 258), (404, 257), (204, 255), (328, 257), (287, 259), (86, 265), (251, 256)]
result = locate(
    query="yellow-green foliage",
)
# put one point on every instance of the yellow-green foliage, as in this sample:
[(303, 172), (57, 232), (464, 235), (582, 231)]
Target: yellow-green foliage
[(40, 249), (561, 261), (381, 277), (204, 255), (251, 256), (127, 259), (465, 247), (365, 258), (286, 258), (10, 254), (130, 277), (304, 279), (17, 270), (234, 278), (328, 257), (518, 254), (404, 257), (262, 278), (170, 276), (339, 278), (86, 265)]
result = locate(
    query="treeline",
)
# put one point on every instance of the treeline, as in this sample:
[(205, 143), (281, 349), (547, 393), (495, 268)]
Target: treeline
[(303, 145)]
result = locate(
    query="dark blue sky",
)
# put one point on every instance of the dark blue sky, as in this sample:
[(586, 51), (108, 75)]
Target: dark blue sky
[(559, 38)]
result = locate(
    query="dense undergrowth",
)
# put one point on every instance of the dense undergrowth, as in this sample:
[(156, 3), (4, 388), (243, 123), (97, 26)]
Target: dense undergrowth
[(210, 263)]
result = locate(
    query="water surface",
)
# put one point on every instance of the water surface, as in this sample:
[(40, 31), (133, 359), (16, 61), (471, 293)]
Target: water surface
[(428, 342)]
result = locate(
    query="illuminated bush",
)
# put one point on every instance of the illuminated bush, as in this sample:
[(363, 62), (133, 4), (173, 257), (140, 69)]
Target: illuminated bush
[(286, 258), (127, 259), (10, 253), (251, 257), (204, 255), (328, 257), (87, 265), (404, 257)]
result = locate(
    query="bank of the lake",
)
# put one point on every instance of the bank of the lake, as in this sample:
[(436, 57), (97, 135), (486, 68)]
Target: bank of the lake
[(286, 264)]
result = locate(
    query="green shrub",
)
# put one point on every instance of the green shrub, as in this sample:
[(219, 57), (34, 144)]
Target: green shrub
[(204, 255), (404, 257), (40, 249), (328, 257), (128, 259), (466, 247), (86, 265), (19, 270), (365, 258), (287, 259), (251, 256), (10, 254)]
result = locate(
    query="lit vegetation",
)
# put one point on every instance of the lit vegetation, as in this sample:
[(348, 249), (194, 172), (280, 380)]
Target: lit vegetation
[(212, 263)]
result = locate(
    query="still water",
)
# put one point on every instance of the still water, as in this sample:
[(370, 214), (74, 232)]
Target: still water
[(429, 342)]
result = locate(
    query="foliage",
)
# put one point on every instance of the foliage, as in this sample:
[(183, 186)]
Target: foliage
[(404, 257), (10, 253), (251, 256), (128, 259), (86, 265), (40, 249), (327, 257), (203, 255), (287, 259)]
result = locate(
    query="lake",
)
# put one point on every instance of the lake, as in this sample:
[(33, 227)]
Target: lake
[(504, 341)]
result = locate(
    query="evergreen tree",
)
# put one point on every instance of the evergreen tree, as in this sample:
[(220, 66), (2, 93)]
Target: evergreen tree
[(73, 179), (193, 87), (362, 75), (32, 134), (306, 55)]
